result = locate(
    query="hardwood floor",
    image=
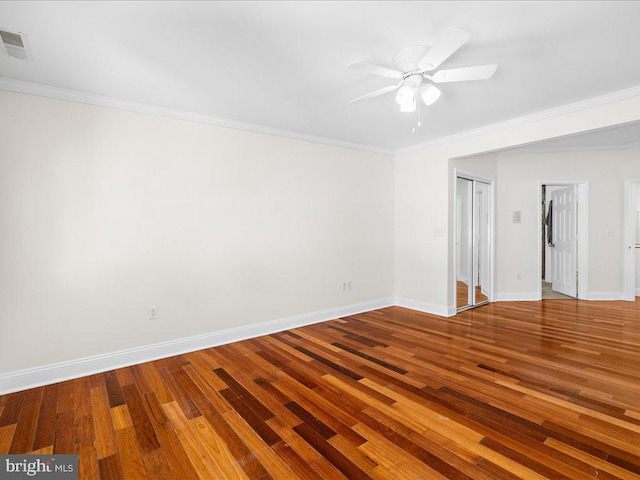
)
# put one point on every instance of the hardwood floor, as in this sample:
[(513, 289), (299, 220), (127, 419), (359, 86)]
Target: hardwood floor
[(524, 390)]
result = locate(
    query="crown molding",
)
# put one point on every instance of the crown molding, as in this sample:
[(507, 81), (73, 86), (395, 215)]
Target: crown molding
[(534, 117), (42, 90), (49, 91), (586, 148)]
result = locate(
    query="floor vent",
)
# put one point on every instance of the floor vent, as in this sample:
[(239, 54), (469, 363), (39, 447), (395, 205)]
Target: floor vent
[(14, 45)]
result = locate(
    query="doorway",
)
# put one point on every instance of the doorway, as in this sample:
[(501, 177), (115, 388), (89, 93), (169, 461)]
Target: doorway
[(631, 240), (563, 240), (473, 242)]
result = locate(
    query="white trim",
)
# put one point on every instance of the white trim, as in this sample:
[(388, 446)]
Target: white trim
[(42, 90), (594, 148), (631, 192), (466, 174), (49, 91), (492, 236), (605, 296), (440, 310), (517, 297), (516, 122), (583, 240), (638, 292), (454, 238), (47, 374)]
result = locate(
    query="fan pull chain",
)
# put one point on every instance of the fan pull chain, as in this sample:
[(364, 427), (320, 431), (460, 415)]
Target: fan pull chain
[(417, 114)]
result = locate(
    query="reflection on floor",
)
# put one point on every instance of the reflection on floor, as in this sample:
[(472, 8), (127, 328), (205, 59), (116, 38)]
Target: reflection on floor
[(548, 293), (462, 294)]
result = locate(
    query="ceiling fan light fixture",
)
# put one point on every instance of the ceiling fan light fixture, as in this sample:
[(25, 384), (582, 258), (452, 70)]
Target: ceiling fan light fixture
[(429, 93), (418, 69), (406, 98)]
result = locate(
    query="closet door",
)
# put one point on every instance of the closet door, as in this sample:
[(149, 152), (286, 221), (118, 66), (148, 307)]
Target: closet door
[(473, 243), (464, 243), (481, 242)]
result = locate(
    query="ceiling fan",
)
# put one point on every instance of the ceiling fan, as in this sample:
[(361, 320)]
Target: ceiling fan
[(414, 65)]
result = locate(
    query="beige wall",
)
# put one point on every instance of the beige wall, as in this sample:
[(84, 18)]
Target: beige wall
[(424, 207), (104, 213), (517, 245), (421, 231), (483, 166)]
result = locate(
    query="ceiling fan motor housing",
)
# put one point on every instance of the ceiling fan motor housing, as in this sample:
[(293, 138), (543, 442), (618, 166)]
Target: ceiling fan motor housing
[(413, 80)]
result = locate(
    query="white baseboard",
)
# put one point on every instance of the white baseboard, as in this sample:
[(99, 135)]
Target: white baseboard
[(425, 307), (58, 372), (517, 297), (606, 296)]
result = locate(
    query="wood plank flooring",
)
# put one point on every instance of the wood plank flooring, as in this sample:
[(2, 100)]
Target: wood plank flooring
[(525, 390)]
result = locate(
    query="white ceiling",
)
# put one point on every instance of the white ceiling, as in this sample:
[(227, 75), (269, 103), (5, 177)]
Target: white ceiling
[(282, 65)]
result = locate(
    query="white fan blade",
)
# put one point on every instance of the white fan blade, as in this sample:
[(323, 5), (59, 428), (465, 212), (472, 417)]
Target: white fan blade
[(375, 70), (376, 93), (451, 41), (481, 72)]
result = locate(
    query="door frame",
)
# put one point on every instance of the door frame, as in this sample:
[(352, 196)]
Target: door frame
[(582, 262), (457, 172), (631, 191)]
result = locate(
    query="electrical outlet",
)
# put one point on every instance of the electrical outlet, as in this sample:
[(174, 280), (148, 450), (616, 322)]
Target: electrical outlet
[(153, 312), (346, 286)]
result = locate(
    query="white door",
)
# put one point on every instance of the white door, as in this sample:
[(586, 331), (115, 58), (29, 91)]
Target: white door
[(565, 251), (477, 236), (632, 239), (484, 250)]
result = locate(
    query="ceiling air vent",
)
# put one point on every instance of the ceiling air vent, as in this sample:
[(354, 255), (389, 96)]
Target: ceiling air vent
[(14, 45)]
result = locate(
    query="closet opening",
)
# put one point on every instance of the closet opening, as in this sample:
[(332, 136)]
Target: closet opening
[(473, 254)]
